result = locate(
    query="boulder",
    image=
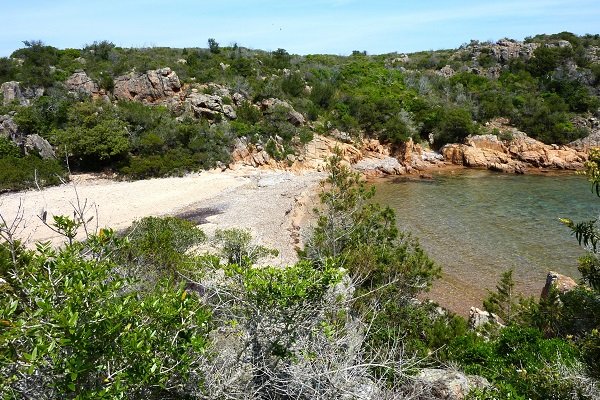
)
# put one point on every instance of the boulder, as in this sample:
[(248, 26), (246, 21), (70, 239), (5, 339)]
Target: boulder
[(293, 116), (11, 91), (479, 318), (8, 128), (38, 145), (207, 105), (560, 282), (444, 384), (341, 136), (81, 83), (152, 86), (229, 111), (446, 72)]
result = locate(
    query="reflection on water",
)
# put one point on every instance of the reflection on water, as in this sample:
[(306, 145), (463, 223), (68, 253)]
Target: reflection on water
[(476, 224)]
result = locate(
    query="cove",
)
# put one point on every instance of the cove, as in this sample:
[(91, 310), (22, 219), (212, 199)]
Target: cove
[(476, 224)]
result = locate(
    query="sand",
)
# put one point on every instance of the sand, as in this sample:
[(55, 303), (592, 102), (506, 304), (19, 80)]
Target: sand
[(265, 202)]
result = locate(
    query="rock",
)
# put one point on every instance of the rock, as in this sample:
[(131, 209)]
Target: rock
[(152, 86), (293, 116), (208, 105), (11, 91), (383, 165), (82, 84), (229, 111), (447, 385), (341, 136), (560, 282), (320, 148), (446, 72), (515, 154), (453, 153), (505, 50), (238, 99), (38, 145), (8, 128), (479, 318)]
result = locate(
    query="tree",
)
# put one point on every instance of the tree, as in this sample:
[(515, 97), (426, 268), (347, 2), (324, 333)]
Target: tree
[(213, 46), (388, 268), (504, 302), (280, 59)]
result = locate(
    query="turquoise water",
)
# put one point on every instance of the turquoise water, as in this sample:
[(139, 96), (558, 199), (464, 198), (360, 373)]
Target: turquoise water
[(477, 224)]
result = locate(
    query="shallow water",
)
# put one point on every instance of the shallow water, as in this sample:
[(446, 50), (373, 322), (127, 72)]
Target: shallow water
[(477, 224)]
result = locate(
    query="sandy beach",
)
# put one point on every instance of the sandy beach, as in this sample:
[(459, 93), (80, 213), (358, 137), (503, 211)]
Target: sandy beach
[(269, 203)]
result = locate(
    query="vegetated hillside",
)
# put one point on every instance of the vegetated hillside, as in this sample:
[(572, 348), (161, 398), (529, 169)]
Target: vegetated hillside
[(344, 321), (156, 111)]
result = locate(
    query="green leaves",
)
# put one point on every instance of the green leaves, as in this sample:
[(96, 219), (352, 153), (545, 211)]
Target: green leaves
[(68, 318)]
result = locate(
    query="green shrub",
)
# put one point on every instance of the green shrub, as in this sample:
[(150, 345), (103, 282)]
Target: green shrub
[(71, 328), (160, 243), (21, 173), (8, 148)]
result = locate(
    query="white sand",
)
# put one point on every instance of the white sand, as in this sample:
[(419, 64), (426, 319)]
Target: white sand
[(259, 200)]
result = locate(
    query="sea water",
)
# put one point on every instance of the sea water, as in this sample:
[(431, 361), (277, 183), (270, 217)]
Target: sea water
[(477, 224)]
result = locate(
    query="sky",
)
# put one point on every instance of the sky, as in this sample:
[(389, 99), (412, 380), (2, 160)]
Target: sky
[(300, 27)]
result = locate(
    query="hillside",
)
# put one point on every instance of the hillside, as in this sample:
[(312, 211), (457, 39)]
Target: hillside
[(145, 112), (153, 302)]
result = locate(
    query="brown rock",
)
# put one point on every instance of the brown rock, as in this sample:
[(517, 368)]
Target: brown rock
[(560, 282), (80, 83), (152, 86)]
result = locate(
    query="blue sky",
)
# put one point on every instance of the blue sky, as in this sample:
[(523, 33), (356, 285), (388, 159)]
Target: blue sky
[(302, 27)]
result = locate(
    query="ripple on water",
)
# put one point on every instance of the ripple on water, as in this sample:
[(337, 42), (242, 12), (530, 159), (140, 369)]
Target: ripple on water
[(477, 224)]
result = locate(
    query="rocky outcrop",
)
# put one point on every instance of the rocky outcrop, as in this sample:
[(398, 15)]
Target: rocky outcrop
[(385, 165), (12, 92), (559, 282), (80, 83), (35, 144), (505, 50), (593, 139), (316, 152), (479, 318), (441, 384), (150, 87), (8, 128), (246, 153), (205, 105), (294, 117), (517, 154)]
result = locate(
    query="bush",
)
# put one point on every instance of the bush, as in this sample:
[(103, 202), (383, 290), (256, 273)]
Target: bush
[(160, 243), (454, 126), (21, 173), (73, 329), (522, 359)]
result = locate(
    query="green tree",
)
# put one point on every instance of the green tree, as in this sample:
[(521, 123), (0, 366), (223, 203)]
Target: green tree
[(213, 46), (505, 302)]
